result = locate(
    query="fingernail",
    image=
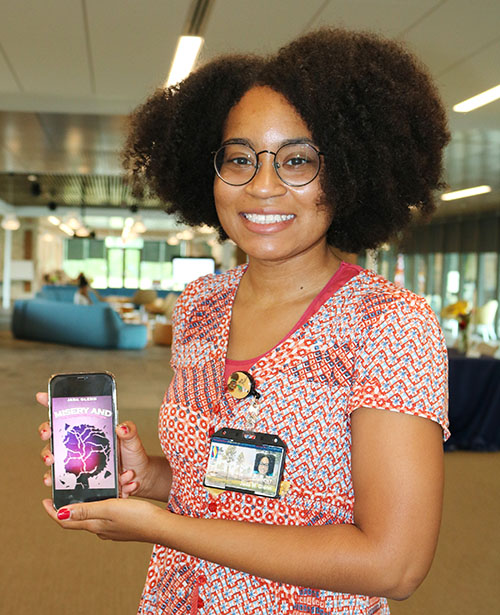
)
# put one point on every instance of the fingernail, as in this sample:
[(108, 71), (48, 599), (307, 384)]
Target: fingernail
[(45, 458), (124, 428), (63, 514)]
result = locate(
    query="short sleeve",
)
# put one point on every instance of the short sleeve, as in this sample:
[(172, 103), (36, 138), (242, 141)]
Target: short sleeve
[(402, 364), (186, 302)]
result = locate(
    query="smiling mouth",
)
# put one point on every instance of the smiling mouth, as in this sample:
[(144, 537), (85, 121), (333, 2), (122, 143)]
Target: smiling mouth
[(268, 218)]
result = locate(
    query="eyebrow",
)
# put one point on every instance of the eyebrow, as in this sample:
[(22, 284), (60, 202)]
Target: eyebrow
[(239, 141)]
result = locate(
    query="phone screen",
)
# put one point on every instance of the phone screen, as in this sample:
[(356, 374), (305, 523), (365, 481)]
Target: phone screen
[(83, 437)]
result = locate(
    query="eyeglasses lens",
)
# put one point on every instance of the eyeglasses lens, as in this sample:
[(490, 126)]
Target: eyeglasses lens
[(296, 164), (235, 164)]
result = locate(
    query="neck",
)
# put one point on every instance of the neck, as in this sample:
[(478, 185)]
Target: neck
[(281, 281)]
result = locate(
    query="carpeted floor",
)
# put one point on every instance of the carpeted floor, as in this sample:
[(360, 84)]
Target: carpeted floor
[(50, 572)]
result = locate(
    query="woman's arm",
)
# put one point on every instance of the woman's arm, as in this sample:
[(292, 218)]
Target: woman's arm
[(397, 470)]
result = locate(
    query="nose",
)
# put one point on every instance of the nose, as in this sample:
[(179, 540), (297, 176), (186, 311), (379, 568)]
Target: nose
[(266, 182)]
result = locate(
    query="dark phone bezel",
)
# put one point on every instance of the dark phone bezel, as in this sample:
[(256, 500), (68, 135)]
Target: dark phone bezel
[(81, 384), (257, 439)]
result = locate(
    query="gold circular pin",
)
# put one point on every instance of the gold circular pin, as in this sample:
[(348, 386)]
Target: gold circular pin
[(240, 385)]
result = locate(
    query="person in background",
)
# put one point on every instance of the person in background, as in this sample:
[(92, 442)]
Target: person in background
[(328, 146), (84, 292)]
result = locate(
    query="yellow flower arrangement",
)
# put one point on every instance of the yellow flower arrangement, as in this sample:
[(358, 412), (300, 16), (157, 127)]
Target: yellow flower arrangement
[(457, 310), (461, 311)]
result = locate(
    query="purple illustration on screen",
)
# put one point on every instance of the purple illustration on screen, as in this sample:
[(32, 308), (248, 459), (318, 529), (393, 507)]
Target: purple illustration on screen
[(83, 432), (88, 452)]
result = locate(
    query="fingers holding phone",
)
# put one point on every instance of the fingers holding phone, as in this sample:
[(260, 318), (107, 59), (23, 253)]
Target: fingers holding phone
[(134, 459), (48, 460), (44, 432), (42, 398)]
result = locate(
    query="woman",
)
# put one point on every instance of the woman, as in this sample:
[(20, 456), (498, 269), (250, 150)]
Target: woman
[(327, 146), (83, 295)]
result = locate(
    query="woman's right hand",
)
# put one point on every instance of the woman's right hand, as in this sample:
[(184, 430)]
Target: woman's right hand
[(134, 461)]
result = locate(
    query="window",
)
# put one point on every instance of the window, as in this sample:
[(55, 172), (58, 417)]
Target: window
[(110, 263), (489, 278), (469, 273)]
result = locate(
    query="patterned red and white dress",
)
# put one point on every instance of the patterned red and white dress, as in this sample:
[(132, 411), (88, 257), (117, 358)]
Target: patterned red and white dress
[(369, 344)]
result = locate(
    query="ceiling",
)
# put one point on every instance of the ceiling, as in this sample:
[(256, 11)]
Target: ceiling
[(70, 71)]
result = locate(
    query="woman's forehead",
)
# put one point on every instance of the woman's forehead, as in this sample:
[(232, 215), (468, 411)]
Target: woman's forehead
[(263, 113)]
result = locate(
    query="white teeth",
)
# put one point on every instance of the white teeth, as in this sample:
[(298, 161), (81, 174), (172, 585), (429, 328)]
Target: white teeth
[(268, 218)]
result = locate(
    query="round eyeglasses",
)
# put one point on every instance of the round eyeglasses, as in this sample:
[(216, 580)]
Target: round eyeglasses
[(296, 164)]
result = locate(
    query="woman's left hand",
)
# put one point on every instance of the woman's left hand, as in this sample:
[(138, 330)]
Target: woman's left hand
[(120, 519)]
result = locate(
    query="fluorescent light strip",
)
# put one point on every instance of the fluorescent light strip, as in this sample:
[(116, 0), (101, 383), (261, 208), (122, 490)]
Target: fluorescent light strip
[(186, 53), (478, 101), (462, 194), (66, 229)]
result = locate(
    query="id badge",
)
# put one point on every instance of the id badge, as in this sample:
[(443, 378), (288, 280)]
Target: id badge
[(246, 461)]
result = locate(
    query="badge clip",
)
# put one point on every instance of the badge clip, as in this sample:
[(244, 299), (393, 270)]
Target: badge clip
[(241, 385)]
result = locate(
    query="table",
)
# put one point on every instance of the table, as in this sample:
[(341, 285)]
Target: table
[(474, 409)]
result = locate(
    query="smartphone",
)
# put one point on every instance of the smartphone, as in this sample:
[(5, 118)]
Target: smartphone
[(83, 418)]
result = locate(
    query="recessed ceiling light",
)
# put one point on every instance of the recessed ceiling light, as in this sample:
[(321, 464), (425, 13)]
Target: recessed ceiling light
[(10, 222), (139, 226), (73, 220)]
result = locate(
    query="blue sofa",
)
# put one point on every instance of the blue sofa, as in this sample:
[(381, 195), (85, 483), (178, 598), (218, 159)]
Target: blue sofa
[(63, 322), (66, 292), (60, 293)]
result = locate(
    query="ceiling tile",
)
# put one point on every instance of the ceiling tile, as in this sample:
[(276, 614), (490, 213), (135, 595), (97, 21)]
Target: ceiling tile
[(473, 75), (454, 31), (133, 44), (45, 42), (386, 16), (8, 81), (256, 27)]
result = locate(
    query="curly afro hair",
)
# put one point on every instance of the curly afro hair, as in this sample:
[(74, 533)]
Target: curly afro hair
[(369, 104)]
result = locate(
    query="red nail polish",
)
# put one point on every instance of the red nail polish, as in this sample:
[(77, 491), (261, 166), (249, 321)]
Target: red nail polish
[(45, 458), (124, 428), (63, 513)]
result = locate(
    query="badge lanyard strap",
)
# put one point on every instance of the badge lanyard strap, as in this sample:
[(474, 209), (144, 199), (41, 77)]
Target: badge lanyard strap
[(252, 414)]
